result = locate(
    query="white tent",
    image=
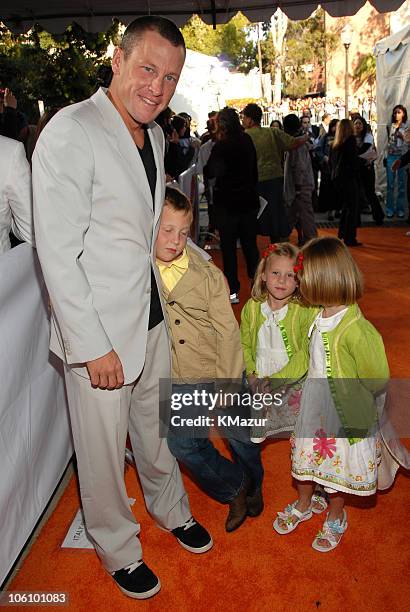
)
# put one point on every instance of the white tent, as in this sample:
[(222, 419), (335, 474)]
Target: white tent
[(96, 15), (392, 84)]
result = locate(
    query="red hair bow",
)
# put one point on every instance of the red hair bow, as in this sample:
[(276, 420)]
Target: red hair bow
[(270, 249), (299, 263)]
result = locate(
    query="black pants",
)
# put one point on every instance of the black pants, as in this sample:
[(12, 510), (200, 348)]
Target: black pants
[(273, 221), (347, 189), (368, 180), (232, 225)]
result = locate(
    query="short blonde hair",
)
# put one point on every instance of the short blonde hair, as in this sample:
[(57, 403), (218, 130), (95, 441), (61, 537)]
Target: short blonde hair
[(280, 249), (329, 274), (178, 201)]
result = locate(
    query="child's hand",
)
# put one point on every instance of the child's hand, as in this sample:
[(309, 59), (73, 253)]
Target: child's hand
[(253, 382), (264, 385)]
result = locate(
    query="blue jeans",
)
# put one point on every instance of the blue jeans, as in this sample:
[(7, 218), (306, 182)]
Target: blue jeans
[(217, 476), (395, 205)]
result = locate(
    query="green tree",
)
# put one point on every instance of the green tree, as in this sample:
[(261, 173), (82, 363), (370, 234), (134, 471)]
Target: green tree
[(231, 42), (365, 72), (307, 44), (201, 37), (301, 59), (236, 45), (56, 69)]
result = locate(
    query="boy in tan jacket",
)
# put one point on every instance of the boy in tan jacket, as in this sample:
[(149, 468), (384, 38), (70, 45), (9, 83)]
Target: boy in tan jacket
[(205, 347)]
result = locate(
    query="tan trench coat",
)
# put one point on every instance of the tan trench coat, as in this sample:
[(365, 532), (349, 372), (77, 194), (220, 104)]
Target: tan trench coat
[(204, 333)]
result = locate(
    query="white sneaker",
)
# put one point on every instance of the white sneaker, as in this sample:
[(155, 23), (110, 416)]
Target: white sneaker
[(234, 298)]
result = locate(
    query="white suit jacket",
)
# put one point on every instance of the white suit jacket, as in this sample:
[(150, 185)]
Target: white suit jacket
[(15, 193), (95, 232)]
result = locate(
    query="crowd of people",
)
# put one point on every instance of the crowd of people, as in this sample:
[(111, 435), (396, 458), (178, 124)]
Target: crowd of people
[(301, 167), (133, 302), (298, 168), (319, 105)]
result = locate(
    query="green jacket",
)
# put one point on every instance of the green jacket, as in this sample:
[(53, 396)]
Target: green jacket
[(270, 144), (295, 325), (356, 368)]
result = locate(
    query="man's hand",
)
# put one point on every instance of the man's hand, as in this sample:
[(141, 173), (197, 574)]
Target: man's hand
[(9, 98), (299, 141), (396, 165), (106, 372)]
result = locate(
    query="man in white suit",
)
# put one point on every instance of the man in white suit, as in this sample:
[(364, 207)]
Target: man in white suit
[(15, 193), (99, 184)]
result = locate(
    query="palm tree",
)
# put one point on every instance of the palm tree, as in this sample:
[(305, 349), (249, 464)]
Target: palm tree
[(365, 72)]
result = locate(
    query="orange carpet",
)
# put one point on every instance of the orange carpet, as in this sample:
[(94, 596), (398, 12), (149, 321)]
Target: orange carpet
[(254, 568)]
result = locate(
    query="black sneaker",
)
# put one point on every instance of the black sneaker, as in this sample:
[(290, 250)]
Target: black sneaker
[(193, 537), (137, 581)]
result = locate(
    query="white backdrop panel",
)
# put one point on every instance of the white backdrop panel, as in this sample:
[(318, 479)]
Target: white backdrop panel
[(35, 443), (393, 87)]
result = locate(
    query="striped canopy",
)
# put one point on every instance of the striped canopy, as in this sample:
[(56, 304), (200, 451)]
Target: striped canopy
[(96, 15)]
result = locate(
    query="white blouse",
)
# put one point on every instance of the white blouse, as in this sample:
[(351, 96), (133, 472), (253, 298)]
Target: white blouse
[(317, 362), (271, 354)]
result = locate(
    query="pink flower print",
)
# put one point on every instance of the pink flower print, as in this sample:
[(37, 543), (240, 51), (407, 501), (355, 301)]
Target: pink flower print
[(323, 446), (294, 401)]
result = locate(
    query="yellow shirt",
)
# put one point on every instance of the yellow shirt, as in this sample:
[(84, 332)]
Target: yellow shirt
[(172, 272)]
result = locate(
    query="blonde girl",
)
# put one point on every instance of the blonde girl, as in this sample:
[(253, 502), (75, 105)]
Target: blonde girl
[(274, 326), (334, 442)]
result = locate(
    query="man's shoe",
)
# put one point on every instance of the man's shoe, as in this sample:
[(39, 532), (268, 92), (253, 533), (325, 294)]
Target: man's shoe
[(137, 581), (234, 298), (238, 509), (193, 537), (254, 503)]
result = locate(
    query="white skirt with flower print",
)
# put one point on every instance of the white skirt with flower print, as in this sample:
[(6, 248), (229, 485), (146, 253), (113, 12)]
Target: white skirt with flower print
[(325, 458)]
